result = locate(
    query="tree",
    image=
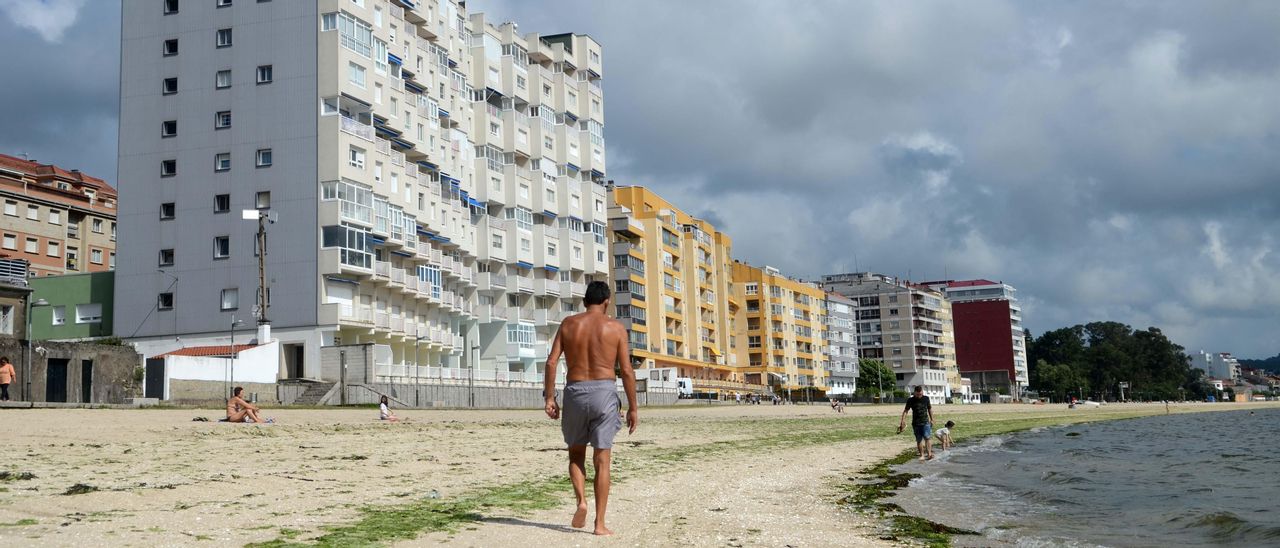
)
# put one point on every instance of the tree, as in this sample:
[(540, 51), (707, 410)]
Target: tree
[(874, 377), (1096, 357)]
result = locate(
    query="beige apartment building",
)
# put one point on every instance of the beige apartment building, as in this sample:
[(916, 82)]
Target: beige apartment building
[(62, 222), (907, 326), (673, 288), (784, 329)]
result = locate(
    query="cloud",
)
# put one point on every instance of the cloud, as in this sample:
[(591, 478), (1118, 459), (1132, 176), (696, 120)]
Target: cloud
[(921, 157), (49, 18)]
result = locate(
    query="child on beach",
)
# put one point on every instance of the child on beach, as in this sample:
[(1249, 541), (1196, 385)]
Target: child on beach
[(384, 412), (944, 435)]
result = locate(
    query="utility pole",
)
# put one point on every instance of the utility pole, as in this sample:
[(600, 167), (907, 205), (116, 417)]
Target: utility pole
[(262, 267)]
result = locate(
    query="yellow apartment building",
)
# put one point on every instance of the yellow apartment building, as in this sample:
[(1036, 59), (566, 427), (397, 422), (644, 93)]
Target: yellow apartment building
[(782, 342), (673, 288)]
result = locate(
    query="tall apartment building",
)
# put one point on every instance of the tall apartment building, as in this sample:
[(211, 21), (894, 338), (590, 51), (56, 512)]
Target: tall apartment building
[(62, 222), (842, 344), (904, 325), (1217, 365), (435, 182), (990, 343), (673, 290), (785, 325)]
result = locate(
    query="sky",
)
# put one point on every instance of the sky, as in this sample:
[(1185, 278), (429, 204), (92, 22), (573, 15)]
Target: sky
[(1112, 161)]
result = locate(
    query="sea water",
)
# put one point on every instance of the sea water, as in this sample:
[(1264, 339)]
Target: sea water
[(1196, 479)]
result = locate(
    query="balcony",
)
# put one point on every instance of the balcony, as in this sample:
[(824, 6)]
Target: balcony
[(354, 127), (491, 281), (543, 286), (523, 284), (493, 314), (355, 314)]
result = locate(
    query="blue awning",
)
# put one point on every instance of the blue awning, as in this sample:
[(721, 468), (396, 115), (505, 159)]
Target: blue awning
[(425, 232), (576, 219), (550, 268), (571, 166), (341, 280), (379, 119), (524, 265), (443, 112), (402, 254), (546, 213), (446, 177), (374, 240), (569, 115), (402, 143), (389, 131), (452, 63), (413, 87), (475, 203), (597, 173), (391, 58), (428, 165)]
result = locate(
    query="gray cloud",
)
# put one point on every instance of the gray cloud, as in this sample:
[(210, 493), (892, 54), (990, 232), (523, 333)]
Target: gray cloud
[(1113, 161)]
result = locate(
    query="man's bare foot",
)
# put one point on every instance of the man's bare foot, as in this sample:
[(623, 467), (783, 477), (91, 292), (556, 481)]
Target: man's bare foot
[(930, 457), (602, 531), (580, 517)]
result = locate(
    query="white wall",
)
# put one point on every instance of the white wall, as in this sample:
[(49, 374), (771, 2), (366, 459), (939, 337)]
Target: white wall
[(259, 364)]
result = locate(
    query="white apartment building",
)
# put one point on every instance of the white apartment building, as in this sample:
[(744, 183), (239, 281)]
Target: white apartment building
[(1217, 365), (842, 345), (904, 325), (435, 181)]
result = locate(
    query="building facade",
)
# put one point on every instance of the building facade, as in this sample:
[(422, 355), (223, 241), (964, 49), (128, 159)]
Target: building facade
[(902, 324), (61, 221), (79, 306), (842, 345), (785, 326), (673, 288), (1217, 365), (434, 182), (990, 342)]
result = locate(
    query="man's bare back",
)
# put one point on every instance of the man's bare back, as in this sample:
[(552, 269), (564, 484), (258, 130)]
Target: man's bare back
[(594, 347)]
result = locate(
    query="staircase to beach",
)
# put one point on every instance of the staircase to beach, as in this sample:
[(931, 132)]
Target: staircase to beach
[(314, 393)]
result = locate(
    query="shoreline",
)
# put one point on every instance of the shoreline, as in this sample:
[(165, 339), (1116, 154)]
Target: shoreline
[(878, 482), (728, 475)]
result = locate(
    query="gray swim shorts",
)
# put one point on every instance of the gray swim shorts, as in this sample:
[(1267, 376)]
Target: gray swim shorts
[(590, 413)]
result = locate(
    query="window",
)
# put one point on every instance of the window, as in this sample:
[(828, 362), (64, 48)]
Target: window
[(355, 74), (222, 119), (169, 128), (33, 245), (170, 86), (170, 47), (222, 203), (264, 157), (170, 6), (264, 74), (11, 208), (222, 79), (262, 200), (230, 299), (111, 260), (221, 247), (168, 168), (95, 256), (377, 93), (55, 249), (167, 210), (496, 240), (33, 212), (223, 38), (356, 158), (166, 257), (55, 217), (89, 313), (59, 315), (224, 3), (164, 301), (222, 161), (328, 21), (10, 241), (551, 249)]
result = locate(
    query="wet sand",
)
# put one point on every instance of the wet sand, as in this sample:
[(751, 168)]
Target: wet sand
[(725, 474)]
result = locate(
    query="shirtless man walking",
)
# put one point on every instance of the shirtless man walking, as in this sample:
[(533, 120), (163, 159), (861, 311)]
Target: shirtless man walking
[(592, 344)]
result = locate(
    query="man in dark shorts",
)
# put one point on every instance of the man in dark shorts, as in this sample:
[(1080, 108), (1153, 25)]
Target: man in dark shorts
[(592, 344), (921, 422)]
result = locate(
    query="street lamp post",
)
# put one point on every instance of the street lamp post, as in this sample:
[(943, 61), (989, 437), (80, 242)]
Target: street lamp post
[(232, 376), (26, 375), (417, 362)]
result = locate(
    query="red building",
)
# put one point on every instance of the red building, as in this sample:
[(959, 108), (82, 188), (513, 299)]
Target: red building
[(990, 341)]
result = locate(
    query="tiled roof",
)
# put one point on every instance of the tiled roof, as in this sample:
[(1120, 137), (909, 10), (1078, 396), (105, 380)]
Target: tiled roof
[(44, 171), (223, 350)]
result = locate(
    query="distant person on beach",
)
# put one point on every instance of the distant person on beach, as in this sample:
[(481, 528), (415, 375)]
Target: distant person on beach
[(593, 344), (239, 410), (7, 376), (384, 412), (944, 435), (921, 422)]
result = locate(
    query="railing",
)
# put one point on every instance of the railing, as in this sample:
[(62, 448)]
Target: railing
[(356, 313), (397, 275), (382, 319), (353, 127), (397, 158), (382, 269), (383, 146)]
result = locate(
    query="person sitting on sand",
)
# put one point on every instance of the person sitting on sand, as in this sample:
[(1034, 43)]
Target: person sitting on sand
[(384, 412), (239, 410), (944, 435)]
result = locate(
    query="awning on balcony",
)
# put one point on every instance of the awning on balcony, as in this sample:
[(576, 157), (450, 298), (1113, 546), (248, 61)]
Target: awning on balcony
[(414, 87), (548, 214), (374, 240), (443, 112), (392, 58), (571, 166), (714, 352), (428, 165), (425, 232), (550, 268), (476, 203), (524, 265), (402, 254), (495, 92), (341, 280), (597, 174), (402, 143)]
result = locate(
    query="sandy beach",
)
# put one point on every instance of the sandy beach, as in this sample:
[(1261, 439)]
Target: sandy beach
[(725, 475)]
